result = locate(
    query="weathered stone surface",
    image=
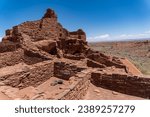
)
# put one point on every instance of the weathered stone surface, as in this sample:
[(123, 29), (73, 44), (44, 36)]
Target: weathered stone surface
[(50, 14), (64, 70), (137, 86), (34, 52), (94, 64)]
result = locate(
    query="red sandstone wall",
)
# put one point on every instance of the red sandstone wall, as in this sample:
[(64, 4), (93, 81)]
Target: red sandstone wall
[(79, 34), (11, 58), (29, 76), (94, 64), (78, 89), (8, 47), (133, 85), (38, 74), (65, 71), (44, 29), (15, 57), (106, 60)]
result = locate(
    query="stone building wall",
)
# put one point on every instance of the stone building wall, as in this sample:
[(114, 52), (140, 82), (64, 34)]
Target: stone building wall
[(18, 56), (25, 75), (94, 64), (106, 60), (78, 89), (45, 29), (8, 47), (38, 74), (79, 34), (132, 85), (11, 58), (72, 46), (65, 71)]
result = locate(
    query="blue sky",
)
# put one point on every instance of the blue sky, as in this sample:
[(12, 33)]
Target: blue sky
[(101, 19)]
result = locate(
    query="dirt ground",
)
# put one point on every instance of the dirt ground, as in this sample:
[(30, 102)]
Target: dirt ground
[(138, 52)]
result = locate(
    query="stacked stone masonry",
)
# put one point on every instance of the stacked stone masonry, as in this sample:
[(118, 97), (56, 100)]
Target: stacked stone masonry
[(25, 75), (34, 52), (78, 89), (132, 85), (65, 71)]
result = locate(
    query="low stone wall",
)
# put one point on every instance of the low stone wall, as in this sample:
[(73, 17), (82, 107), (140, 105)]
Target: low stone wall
[(74, 57), (132, 85), (106, 60), (11, 58), (8, 47), (94, 64), (64, 70), (78, 89), (39, 73), (16, 57), (29, 75)]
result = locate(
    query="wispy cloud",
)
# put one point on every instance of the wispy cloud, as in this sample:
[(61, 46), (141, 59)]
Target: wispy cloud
[(100, 37), (133, 36), (147, 32), (108, 37)]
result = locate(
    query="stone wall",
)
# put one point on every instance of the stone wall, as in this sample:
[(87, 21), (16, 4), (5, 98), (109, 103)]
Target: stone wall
[(106, 60), (28, 75), (132, 85), (46, 28), (50, 26), (94, 64), (64, 70), (78, 89), (11, 58), (18, 56), (38, 30), (8, 47), (79, 34), (38, 74), (74, 47)]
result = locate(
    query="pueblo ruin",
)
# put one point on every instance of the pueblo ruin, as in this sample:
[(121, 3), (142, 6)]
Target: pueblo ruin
[(43, 60)]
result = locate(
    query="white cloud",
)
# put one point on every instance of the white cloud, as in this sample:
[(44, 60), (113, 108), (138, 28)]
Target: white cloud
[(133, 36), (99, 37), (138, 36), (102, 36), (147, 32), (108, 37)]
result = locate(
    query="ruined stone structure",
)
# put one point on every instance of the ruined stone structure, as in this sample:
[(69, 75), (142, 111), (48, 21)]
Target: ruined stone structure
[(42, 60)]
